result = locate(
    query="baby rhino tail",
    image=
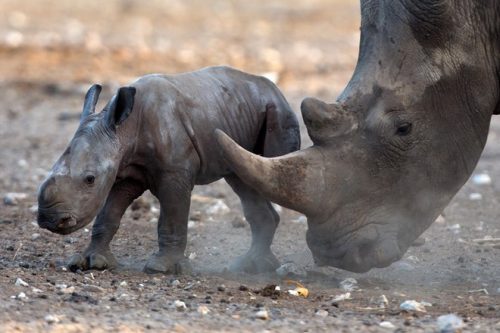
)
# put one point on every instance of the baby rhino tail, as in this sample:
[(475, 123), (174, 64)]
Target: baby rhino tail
[(280, 133)]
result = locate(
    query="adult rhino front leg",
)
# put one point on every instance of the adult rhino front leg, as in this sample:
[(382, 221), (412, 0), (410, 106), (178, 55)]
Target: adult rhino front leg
[(263, 221), (98, 254), (174, 193)]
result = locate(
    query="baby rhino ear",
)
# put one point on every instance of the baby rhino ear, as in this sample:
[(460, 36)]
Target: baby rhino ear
[(121, 106)]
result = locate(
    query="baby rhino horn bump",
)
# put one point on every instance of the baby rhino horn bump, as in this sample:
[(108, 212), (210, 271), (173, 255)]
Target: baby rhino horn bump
[(90, 101), (326, 121), (293, 181)]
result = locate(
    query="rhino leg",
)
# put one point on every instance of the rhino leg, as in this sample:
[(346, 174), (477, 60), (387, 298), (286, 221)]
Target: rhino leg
[(98, 254), (174, 194), (263, 221)]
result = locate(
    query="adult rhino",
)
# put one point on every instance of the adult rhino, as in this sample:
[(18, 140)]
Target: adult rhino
[(402, 138)]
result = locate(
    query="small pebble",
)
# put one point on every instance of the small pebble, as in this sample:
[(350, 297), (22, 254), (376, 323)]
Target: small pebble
[(449, 323), (13, 198), (123, 284), (387, 324), (180, 305), (475, 196), (221, 287), (203, 310), (51, 319), (35, 236), (481, 179), (21, 283), (21, 295), (262, 314), (322, 313), (412, 305), (349, 284)]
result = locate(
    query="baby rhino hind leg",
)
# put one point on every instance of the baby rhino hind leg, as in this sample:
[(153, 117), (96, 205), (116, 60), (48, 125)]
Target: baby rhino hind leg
[(263, 221)]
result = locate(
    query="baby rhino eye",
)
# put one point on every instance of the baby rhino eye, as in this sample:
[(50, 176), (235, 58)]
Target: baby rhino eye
[(404, 129), (89, 179)]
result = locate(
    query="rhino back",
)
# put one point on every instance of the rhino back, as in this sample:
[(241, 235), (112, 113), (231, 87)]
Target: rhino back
[(194, 104)]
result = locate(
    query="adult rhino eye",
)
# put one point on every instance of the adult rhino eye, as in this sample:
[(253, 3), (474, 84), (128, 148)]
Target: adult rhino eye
[(404, 129), (89, 180)]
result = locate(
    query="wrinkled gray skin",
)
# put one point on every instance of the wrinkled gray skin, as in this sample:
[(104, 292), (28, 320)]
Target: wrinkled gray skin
[(158, 134), (401, 139)]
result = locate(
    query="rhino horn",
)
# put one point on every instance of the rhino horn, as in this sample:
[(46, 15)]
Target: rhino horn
[(294, 180), (326, 122), (90, 101)]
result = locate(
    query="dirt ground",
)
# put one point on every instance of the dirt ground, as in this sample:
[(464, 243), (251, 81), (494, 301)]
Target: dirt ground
[(51, 51)]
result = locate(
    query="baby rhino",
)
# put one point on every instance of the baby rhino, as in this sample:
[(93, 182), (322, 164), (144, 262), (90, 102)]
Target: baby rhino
[(158, 134)]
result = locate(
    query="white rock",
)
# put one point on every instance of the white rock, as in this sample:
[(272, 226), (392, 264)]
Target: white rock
[(192, 256), (175, 283), (21, 283), (13, 198), (455, 228), (387, 324), (341, 297), (123, 284), (322, 313), (382, 301), (192, 224), (34, 209), (449, 323), (412, 305), (203, 310), (22, 163), (219, 207), (36, 290), (475, 196), (35, 236), (21, 295), (52, 319), (180, 305), (262, 314), (481, 179), (349, 284)]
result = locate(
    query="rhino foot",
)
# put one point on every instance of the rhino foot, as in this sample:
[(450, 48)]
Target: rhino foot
[(166, 264), (255, 262), (92, 260)]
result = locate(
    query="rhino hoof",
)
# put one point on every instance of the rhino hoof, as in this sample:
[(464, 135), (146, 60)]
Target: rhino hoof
[(167, 265), (92, 260), (255, 263)]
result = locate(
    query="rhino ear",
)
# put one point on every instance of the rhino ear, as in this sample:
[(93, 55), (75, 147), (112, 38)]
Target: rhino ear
[(90, 101), (121, 106)]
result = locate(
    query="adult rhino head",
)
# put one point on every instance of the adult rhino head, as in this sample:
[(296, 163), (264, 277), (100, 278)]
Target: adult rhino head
[(401, 139)]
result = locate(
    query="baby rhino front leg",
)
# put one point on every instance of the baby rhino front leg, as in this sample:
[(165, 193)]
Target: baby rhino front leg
[(98, 254), (174, 194)]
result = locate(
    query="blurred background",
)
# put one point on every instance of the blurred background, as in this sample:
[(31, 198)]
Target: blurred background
[(298, 43)]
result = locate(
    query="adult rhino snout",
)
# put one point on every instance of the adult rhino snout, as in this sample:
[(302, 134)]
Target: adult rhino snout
[(365, 249)]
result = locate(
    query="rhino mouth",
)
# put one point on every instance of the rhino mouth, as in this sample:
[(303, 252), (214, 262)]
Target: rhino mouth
[(358, 252), (60, 223)]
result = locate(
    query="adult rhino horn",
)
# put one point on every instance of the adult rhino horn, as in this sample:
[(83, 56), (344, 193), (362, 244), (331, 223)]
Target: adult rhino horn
[(326, 121), (90, 101), (294, 180)]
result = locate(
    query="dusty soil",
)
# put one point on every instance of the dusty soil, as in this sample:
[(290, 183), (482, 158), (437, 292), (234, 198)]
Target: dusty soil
[(50, 51)]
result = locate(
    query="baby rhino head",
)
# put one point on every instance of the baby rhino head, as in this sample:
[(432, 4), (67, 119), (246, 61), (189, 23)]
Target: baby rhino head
[(79, 182)]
